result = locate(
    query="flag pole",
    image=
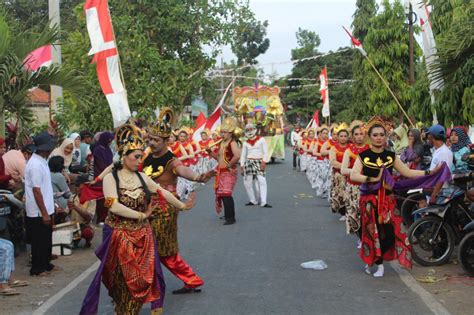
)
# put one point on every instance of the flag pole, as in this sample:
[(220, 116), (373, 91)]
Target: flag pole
[(390, 90)]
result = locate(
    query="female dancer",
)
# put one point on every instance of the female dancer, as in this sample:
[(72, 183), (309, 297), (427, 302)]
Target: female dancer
[(383, 235), (130, 266)]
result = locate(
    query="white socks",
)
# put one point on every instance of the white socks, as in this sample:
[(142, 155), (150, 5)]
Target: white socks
[(379, 272)]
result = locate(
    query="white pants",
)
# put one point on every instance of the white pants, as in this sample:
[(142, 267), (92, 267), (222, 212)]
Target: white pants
[(260, 189)]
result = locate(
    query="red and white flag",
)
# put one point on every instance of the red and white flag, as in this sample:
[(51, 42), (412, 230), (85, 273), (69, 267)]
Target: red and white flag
[(324, 90), (214, 120), (200, 126), (40, 57), (356, 43), (314, 122), (99, 26), (428, 41)]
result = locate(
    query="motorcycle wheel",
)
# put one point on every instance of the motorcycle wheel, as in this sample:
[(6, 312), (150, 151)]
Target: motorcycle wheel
[(409, 205), (426, 250), (466, 253)]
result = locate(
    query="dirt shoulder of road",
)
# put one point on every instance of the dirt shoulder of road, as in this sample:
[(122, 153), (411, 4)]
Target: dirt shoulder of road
[(40, 289), (449, 285)]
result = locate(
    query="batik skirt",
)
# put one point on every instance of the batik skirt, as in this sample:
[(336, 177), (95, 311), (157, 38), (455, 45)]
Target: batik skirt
[(382, 222), (312, 170), (338, 192), (352, 208), (322, 178)]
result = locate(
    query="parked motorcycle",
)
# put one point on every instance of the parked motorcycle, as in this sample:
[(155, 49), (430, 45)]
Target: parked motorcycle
[(435, 235), (11, 219), (466, 249)]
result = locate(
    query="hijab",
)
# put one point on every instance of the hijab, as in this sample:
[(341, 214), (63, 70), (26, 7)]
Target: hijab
[(60, 152), (401, 143), (102, 150), (463, 141)]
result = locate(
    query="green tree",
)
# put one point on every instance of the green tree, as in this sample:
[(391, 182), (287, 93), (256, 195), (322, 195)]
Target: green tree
[(387, 45), (15, 81), (365, 11), (454, 33)]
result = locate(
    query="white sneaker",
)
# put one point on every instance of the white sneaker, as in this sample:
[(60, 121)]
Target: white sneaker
[(343, 218), (367, 269), (359, 244), (379, 272)]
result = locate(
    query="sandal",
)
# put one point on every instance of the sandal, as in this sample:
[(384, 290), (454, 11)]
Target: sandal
[(9, 292), (18, 284)]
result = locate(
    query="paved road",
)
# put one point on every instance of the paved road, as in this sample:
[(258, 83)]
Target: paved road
[(253, 267)]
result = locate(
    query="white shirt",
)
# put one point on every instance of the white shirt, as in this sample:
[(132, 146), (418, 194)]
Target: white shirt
[(295, 138), (257, 151), (442, 154), (37, 174)]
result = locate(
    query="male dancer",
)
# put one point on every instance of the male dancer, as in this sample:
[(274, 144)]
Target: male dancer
[(228, 156), (253, 165), (163, 167)]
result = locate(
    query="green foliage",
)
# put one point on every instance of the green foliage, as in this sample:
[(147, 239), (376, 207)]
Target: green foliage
[(15, 81), (365, 11), (454, 33)]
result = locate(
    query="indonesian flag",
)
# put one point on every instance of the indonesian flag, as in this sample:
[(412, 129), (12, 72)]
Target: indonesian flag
[(428, 40), (324, 90), (314, 122), (356, 43), (200, 126), (40, 57), (99, 26), (214, 120)]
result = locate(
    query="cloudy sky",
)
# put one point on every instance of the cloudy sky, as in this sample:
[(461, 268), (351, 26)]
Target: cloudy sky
[(325, 17)]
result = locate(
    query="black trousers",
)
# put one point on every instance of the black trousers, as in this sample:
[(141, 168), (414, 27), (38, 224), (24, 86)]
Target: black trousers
[(296, 160), (387, 237), (229, 208), (41, 237)]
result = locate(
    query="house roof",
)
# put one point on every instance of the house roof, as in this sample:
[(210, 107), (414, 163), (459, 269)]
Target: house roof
[(38, 96)]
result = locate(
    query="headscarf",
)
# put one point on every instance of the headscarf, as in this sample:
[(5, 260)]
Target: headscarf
[(102, 150), (464, 140), (400, 145), (60, 152), (417, 142)]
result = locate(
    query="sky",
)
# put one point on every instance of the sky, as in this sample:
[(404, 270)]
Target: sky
[(325, 17)]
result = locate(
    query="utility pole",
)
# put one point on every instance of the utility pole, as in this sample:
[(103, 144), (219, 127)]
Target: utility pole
[(56, 93)]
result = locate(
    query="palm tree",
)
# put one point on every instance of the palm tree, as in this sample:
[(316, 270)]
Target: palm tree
[(16, 81)]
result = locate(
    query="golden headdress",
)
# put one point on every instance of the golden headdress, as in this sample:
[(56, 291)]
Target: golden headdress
[(378, 120), (356, 123), (229, 124), (323, 126), (127, 138), (341, 127), (162, 127)]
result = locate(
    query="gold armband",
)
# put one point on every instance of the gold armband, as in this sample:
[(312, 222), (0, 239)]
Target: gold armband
[(109, 202)]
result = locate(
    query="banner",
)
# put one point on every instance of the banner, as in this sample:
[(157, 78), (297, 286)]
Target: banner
[(324, 90)]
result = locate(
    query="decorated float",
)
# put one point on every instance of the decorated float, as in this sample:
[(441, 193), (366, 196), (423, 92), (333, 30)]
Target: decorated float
[(261, 105)]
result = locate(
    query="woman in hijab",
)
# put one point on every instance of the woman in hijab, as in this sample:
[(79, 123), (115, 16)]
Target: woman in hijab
[(460, 146), (76, 154), (401, 139), (103, 157), (65, 150), (413, 154)]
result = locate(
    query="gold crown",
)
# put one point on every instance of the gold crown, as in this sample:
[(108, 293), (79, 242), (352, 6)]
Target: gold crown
[(229, 124), (341, 127), (127, 138), (378, 120), (162, 127), (356, 123)]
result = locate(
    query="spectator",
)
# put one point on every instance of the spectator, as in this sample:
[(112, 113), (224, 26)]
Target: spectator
[(7, 266), (413, 154), (40, 205), (76, 154), (65, 150), (294, 139), (4, 178), (103, 157), (60, 188), (15, 160), (400, 141), (86, 138), (82, 212), (459, 146)]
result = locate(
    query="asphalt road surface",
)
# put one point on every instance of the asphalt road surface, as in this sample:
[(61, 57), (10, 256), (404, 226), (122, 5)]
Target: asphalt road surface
[(253, 267)]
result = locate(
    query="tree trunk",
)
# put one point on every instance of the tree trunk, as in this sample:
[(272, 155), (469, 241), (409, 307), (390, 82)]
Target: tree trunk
[(2, 119)]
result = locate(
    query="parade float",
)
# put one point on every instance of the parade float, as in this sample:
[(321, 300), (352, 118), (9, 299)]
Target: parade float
[(261, 105)]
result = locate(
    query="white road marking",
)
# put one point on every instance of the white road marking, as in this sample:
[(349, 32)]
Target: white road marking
[(436, 307), (71, 286)]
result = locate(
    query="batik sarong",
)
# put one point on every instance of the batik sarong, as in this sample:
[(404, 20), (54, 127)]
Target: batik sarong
[(338, 191), (352, 208), (224, 185)]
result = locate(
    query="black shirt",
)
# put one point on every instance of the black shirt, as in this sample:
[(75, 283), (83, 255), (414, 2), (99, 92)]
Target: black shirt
[(157, 165), (372, 162)]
